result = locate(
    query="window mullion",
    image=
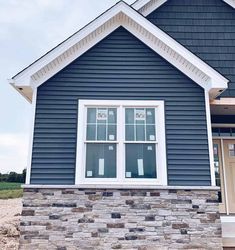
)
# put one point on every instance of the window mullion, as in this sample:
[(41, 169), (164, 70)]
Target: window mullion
[(121, 134)]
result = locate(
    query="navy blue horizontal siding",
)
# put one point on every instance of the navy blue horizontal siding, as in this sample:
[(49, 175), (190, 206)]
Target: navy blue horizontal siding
[(120, 67), (205, 27)]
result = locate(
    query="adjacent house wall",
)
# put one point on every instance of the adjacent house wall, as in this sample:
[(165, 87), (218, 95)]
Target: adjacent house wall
[(120, 67), (205, 27)]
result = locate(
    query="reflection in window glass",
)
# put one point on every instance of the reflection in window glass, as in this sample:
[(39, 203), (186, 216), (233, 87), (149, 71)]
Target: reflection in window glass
[(140, 160)]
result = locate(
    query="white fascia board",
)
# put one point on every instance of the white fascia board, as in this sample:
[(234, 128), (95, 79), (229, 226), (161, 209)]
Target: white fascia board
[(149, 6), (25, 77), (140, 5)]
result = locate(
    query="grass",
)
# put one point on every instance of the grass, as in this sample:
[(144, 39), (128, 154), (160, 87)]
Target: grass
[(10, 190)]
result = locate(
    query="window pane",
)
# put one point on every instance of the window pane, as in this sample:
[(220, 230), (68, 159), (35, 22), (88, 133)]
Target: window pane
[(140, 133), (129, 116), (216, 164), (111, 132), (91, 132), (150, 133), (101, 124), (140, 115), (102, 115), (112, 115), (231, 148), (101, 132), (140, 124), (130, 133), (150, 116), (100, 160), (91, 115), (140, 161)]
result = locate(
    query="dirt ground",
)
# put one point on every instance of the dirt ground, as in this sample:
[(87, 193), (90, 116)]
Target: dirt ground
[(9, 223)]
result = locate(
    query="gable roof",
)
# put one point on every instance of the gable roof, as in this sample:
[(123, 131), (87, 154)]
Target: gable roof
[(124, 15), (145, 7)]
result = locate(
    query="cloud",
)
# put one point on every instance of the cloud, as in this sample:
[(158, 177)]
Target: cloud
[(13, 152)]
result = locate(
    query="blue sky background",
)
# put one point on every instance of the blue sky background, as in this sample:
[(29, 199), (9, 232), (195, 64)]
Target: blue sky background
[(28, 29)]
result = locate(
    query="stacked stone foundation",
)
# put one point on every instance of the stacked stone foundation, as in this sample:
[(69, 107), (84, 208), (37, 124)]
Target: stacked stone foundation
[(87, 219)]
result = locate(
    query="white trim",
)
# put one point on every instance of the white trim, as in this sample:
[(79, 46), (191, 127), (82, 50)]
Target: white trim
[(139, 4), (227, 219), (120, 179), (30, 147), (145, 7), (209, 134), (118, 186), (151, 6), (225, 177), (121, 15)]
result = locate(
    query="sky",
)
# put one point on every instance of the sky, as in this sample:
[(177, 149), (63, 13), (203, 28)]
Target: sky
[(28, 29)]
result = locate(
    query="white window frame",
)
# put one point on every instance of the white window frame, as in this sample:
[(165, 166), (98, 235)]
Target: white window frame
[(120, 142)]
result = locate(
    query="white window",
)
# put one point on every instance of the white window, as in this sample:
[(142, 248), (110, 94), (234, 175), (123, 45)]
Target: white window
[(121, 142)]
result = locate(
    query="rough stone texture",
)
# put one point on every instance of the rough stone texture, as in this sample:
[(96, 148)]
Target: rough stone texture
[(69, 219)]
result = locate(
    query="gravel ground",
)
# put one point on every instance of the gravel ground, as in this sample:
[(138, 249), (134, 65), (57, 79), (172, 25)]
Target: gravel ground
[(9, 223)]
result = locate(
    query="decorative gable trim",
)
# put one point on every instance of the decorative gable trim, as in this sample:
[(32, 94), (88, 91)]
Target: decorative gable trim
[(120, 14), (145, 7)]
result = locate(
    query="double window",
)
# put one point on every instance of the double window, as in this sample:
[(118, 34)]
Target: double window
[(121, 142)]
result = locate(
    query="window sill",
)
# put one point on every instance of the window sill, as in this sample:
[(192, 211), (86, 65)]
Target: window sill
[(117, 186)]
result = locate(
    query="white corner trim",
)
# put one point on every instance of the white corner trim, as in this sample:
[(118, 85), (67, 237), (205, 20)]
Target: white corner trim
[(30, 147), (120, 15), (209, 135), (120, 179), (145, 7)]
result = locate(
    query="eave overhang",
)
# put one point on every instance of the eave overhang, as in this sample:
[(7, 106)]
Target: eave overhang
[(123, 15)]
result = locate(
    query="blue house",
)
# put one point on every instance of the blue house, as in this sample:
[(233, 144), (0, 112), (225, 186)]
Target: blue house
[(133, 131)]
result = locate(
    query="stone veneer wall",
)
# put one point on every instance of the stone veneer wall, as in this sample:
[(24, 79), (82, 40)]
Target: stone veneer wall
[(65, 219)]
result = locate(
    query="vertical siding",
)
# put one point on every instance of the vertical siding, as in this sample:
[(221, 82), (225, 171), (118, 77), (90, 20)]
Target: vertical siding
[(120, 67), (206, 27)]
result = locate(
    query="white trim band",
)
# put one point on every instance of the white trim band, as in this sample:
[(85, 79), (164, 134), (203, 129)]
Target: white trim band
[(100, 186)]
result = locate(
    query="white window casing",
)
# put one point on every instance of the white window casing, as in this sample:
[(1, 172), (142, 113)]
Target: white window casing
[(120, 142)]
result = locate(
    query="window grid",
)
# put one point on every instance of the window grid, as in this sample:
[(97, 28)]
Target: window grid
[(106, 123)]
